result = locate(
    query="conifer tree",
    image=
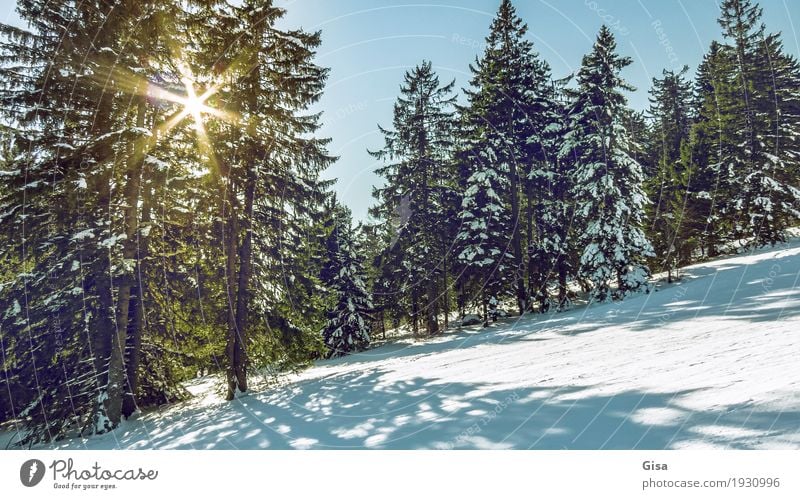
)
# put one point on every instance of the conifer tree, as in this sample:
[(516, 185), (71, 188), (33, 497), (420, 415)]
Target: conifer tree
[(348, 326), (549, 209), (503, 124), (607, 182), (114, 204), (710, 148), (762, 78), (670, 113), (418, 180), (73, 194), (266, 162)]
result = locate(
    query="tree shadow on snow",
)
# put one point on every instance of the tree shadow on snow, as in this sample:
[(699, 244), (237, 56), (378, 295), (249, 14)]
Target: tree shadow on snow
[(367, 410)]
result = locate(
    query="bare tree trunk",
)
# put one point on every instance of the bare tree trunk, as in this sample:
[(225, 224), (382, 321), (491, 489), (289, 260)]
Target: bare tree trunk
[(415, 313), (485, 311), (126, 280), (446, 296), (108, 346), (432, 308), (562, 281), (231, 232), (245, 272), (515, 239), (136, 327), (529, 229)]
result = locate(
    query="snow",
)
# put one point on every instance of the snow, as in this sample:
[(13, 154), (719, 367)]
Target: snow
[(15, 309), (710, 362), (80, 236), (113, 240), (157, 163)]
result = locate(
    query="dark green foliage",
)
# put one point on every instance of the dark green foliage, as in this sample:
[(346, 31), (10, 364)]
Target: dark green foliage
[(607, 179), (349, 320), (668, 179), (121, 287), (415, 206)]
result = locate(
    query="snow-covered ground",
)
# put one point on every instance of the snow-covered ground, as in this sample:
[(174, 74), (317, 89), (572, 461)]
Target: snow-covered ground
[(713, 362)]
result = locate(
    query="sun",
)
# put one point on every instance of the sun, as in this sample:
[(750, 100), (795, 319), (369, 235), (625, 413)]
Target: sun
[(195, 105)]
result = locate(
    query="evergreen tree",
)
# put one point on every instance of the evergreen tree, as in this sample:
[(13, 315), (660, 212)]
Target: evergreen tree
[(266, 164), (348, 327), (552, 251), (418, 180), (670, 112), (482, 240), (504, 125), (121, 189), (71, 204), (710, 148), (607, 184), (765, 198)]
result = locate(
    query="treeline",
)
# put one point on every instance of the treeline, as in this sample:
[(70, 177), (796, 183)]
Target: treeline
[(537, 188), (161, 207)]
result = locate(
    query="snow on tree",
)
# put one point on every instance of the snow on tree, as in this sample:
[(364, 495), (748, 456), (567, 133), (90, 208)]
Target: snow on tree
[(764, 197), (73, 193), (483, 239), (418, 196), (149, 229), (709, 152), (548, 206), (607, 181), (503, 123), (348, 327), (669, 178)]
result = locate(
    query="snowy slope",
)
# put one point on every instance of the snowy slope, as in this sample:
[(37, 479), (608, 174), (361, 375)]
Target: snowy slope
[(710, 363)]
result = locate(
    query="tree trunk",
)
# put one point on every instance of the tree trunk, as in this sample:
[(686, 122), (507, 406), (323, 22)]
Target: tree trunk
[(562, 281), (108, 351), (529, 230), (461, 299), (432, 308), (137, 316), (415, 313), (230, 244), (446, 296), (126, 280), (485, 311), (245, 273), (515, 240)]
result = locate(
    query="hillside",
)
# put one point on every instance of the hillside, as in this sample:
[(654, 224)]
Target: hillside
[(711, 362)]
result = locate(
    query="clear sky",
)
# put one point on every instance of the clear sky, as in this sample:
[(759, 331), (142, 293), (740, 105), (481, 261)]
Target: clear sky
[(369, 44)]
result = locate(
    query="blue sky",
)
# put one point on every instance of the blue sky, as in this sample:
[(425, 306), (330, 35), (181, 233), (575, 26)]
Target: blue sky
[(369, 44)]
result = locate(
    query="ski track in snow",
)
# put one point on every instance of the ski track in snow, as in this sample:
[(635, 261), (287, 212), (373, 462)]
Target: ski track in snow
[(712, 362)]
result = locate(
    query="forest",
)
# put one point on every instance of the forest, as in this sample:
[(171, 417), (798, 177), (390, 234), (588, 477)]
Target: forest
[(164, 213)]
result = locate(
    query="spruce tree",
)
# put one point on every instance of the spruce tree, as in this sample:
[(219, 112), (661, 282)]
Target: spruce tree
[(348, 326), (418, 179), (668, 182), (764, 80), (266, 163), (504, 120), (119, 192), (711, 147), (549, 207), (607, 182), (482, 242), (73, 195)]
